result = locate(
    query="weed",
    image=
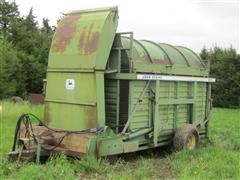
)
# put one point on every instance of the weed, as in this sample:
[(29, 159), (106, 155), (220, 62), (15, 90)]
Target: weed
[(217, 159)]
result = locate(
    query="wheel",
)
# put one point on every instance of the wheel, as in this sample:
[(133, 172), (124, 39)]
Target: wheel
[(186, 138)]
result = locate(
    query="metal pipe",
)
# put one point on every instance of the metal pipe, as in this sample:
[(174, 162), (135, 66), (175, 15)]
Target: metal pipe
[(139, 133)]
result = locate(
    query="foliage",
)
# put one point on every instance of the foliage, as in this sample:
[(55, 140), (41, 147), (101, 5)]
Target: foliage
[(217, 159), (225, 67), (9, 11), (12, 80), (26, 52), (8, 119), (24, 55)]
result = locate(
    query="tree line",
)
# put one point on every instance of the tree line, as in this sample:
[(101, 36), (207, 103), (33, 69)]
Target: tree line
[(225, 67), (24, 48)]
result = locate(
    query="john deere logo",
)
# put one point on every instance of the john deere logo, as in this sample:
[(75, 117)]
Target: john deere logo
[(70, 84)]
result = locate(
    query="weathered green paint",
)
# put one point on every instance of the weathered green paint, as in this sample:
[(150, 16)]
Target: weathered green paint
[(87, 49), (79, 52), (38, 153), (194, 107), (156, 114), (109, 146), (135, 117), (208, 107), (138, 133), (148, 56)]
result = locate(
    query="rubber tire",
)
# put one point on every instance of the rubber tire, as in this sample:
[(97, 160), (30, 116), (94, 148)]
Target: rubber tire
[(181, 136)]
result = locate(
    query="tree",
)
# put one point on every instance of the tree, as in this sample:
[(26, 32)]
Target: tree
[(225, 67), (26, 51), (204, 54), (35, 43), (8, 12), (12, 80)]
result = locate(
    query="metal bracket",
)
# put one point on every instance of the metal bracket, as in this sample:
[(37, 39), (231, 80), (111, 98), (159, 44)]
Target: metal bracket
[(38, 152)]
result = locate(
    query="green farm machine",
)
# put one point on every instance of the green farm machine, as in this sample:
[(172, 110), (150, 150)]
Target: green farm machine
[(107, 93)]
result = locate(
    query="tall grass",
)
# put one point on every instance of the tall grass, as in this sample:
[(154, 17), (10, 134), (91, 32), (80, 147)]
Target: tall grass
[(9, 116), (218, 159)]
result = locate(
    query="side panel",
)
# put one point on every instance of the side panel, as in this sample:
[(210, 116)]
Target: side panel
[(174, 108), (201, 100), (201, 104), (76, 101), (140, 101), (176, 102)]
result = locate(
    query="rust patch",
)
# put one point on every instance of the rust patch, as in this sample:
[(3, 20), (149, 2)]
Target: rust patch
[(146, 59), (88, 41), (77, 142), (161, 61), (36, 99), (65, 33), (47, 118), (72, 144), (91, 121), (82, 39), (199, 64), (91, 46), (155, 61)]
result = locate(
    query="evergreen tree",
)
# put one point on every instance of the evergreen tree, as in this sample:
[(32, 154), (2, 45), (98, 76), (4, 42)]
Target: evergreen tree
[(8, 13), (204, 54), (29, 45), (12, 80), (225, 67)]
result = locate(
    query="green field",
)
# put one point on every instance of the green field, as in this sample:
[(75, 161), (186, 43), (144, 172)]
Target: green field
[(217, 159)]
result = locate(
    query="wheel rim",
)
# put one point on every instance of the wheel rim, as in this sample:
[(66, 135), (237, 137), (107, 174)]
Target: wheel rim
[(191, 142)]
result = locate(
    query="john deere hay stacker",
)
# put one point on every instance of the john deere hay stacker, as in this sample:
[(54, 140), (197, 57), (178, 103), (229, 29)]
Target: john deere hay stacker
[(108, 93)]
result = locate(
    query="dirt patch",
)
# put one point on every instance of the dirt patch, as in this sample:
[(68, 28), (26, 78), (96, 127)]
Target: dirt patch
[(157, 157)]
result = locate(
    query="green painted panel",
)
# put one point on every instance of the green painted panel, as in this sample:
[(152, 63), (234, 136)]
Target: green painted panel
[(174, 70), (162, 58), (175, 99), (138, 52), (141, 115), (192, 57), (175, 102), (82, 92), (70, 116), (109, 146), (157, 55), (75, 102), (175, 56), (75, 80), (83, 40), (201, 101)]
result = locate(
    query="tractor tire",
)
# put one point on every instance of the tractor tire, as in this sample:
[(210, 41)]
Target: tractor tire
[(186, 138)]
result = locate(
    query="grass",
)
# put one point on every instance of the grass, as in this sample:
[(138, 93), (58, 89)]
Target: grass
[(217, 159), (8, 118)]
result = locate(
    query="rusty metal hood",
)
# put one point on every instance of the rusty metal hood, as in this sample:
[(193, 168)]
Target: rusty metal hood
[(75, 75), (83, 39)]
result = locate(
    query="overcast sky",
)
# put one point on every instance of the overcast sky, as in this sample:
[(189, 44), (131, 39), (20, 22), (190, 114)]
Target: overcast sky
[(191, 23)]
